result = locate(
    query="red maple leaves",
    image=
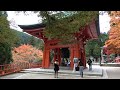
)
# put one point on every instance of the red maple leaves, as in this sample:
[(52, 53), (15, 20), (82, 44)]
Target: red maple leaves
[(27, 53)]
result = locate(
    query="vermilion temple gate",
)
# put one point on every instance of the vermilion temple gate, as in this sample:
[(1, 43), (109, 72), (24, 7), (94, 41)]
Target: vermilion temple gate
[(90, 31)]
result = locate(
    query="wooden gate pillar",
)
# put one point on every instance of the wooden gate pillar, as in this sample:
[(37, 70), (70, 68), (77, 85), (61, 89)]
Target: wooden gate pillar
[(59, 55), (46, 57), (71, 57)]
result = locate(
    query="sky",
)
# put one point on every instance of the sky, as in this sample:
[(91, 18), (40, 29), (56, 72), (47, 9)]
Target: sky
[(21, 19)]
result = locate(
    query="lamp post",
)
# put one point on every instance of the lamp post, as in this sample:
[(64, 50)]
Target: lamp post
[(101, 55)]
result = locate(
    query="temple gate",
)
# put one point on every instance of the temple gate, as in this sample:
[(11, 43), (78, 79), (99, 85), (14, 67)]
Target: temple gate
[(77, 50)]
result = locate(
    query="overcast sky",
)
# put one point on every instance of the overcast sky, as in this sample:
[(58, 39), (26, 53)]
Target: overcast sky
[(21, 19)]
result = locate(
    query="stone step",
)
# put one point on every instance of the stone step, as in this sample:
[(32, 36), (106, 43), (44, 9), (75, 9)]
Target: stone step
[(94, 72), (111, 64)]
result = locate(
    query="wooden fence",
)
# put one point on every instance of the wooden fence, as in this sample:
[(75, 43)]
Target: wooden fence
[(16, 67)]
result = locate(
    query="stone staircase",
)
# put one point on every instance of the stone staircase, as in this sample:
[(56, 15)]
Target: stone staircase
[(96, 71)]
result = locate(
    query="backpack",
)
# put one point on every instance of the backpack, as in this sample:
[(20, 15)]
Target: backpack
[(89, 62), (77, 68)]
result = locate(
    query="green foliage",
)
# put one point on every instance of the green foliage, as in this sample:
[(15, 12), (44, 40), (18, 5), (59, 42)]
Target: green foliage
[(23, 38), (6, 34), (97, 51), (66, 23), (4, 29), (5, 53), (36, 42), (90, 45), (3, 13), (14, 38), (32, 40), (93, 47), (63, 24), (7, 39), (39, 44), (103, 37)]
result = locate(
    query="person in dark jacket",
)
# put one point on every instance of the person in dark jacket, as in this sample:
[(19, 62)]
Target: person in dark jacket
[(80, 64), (56, 68), (90, 64)]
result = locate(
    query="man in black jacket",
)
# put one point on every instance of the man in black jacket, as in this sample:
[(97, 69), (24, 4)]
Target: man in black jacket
[(90, 64)]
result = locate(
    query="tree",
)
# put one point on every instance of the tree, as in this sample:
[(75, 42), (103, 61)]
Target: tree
[(23, 38), (7, 39), (5, 53), (15, 39), (36, 42), (39, 44), (113, 43), (102, 39), (27, 53), (97, 51), (6, 34), (63, 25), (32, 40), (93, 47), (66, 23)]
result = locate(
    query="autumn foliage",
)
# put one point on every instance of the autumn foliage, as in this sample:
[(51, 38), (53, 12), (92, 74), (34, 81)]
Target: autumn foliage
[(113, 43), (27, 53)]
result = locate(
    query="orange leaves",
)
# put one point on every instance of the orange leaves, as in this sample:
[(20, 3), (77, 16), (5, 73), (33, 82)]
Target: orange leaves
[(115, 13), (27, 53), (115, 19), (113, 43)]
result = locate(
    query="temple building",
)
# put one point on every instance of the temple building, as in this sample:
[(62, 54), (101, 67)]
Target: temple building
[(90, 31)]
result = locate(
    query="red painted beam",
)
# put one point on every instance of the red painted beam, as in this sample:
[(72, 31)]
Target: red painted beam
[(33, 30)]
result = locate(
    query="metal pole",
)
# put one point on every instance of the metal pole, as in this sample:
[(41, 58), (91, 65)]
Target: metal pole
[(101, 55)]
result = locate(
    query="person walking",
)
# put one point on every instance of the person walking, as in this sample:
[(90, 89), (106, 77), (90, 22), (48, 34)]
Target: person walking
[(90, 64), (75, 61), (81, 67), (56, 68)]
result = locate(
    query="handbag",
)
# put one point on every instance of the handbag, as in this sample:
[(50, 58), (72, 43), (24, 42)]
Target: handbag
[(77, 68)]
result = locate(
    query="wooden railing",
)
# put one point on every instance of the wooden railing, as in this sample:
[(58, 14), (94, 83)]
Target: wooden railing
[(16, 67)]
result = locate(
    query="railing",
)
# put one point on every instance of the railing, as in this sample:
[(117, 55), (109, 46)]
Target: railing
[(117, 60), (16, 67)]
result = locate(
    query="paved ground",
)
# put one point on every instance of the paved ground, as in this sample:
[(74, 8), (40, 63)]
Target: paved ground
[(112, 72), (108, 73), (37, 75), (96, 71)]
